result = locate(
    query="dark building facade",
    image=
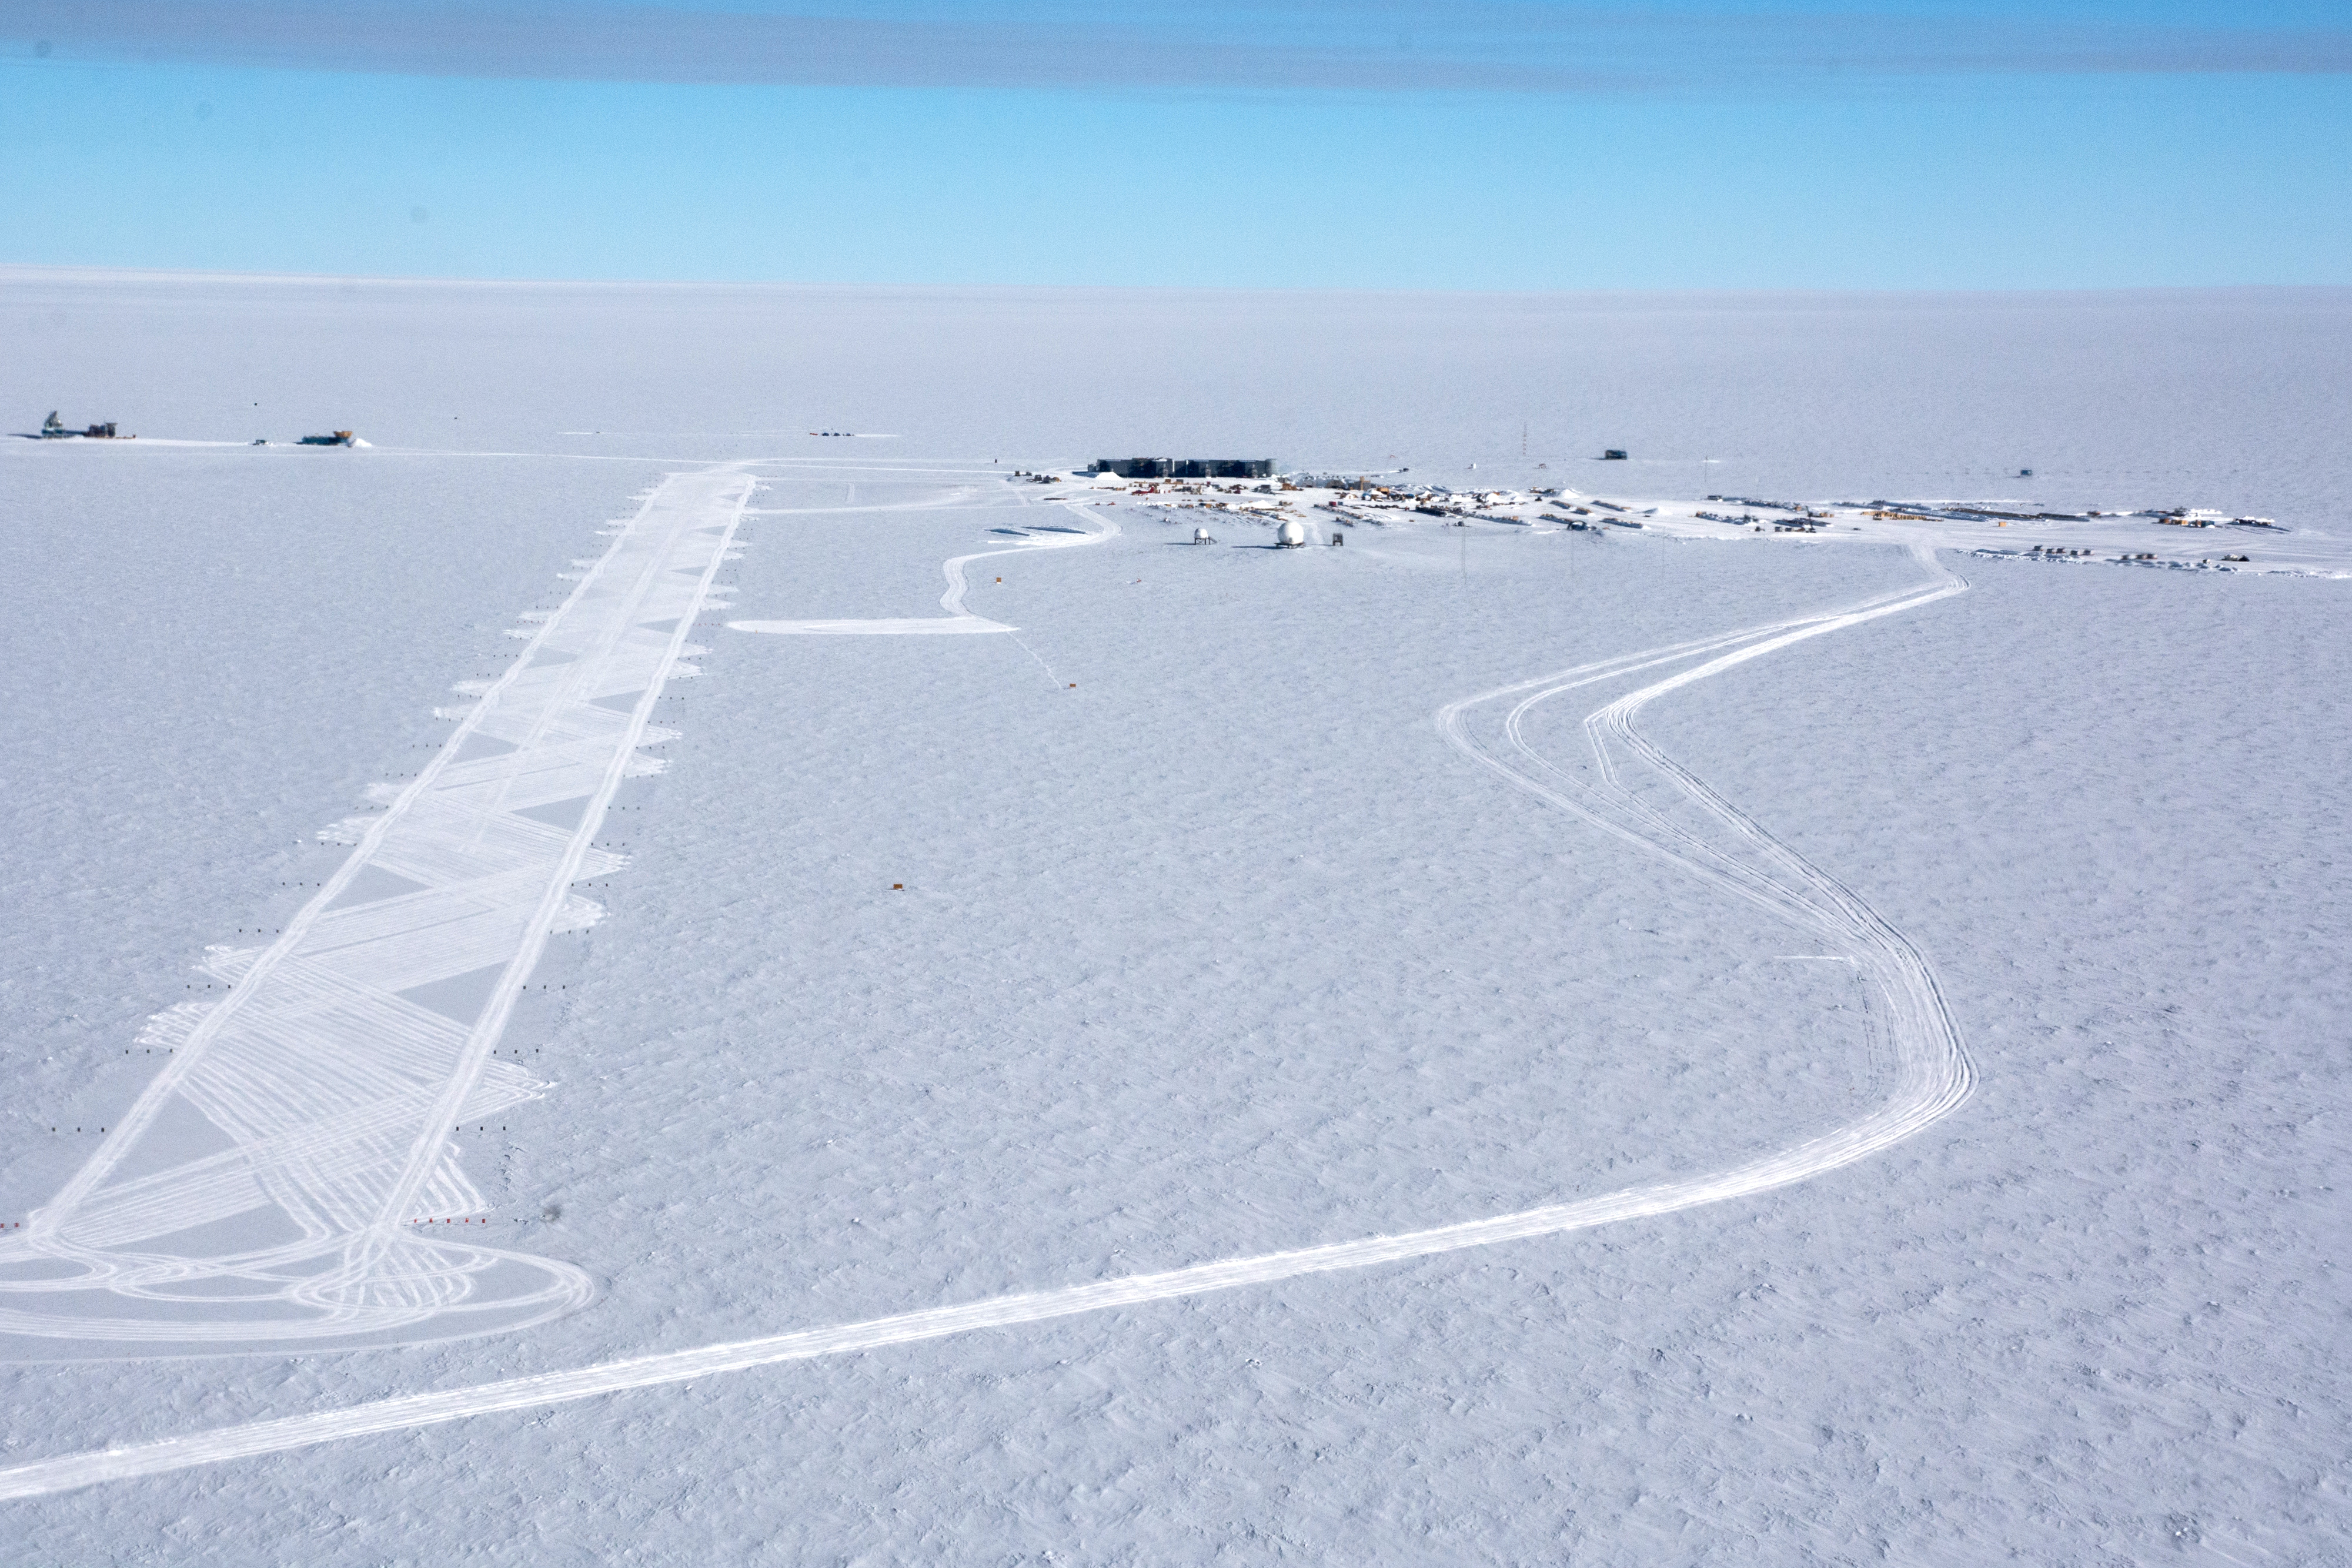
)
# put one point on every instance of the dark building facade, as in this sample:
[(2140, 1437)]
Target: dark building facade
[(1187, 467)]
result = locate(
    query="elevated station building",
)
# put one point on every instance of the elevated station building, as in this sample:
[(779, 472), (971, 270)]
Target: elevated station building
[(1187, 467)]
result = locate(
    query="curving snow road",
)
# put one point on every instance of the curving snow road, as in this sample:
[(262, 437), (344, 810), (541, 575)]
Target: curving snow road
[(957, 620)]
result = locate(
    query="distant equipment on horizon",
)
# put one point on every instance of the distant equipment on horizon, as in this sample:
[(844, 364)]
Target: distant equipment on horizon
[(54, 429), (340, 438), (1186, 468), (1613, 454)]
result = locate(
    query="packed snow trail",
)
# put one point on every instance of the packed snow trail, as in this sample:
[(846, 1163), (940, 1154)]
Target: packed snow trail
[(957, 620), (268, 1187), (1933, 1078)]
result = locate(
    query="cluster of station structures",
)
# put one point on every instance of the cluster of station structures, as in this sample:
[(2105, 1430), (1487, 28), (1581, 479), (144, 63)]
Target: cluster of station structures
[(1310, 508), (1322, 508), (56, 429)]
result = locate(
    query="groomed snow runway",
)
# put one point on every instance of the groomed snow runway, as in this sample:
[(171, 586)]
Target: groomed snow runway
[(292, 1175)]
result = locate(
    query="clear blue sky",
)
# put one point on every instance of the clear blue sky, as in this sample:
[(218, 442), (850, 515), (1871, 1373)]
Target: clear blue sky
[(1399, 145)]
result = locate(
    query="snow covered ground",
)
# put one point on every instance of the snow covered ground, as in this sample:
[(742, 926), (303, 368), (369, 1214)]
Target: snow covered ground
[(1502, 1041)]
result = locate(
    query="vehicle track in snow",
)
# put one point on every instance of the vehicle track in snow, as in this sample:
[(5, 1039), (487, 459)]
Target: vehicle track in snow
[(1717, 842), (957, 620)]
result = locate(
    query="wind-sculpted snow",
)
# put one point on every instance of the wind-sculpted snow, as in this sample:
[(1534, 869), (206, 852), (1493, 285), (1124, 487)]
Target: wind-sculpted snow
[(274, 1184), (1622, 786)]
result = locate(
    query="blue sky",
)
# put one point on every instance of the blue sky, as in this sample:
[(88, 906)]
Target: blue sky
[(1462, 146)]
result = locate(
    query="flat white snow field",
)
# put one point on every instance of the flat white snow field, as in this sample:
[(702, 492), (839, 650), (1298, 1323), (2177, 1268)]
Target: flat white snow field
[(551, 1018)]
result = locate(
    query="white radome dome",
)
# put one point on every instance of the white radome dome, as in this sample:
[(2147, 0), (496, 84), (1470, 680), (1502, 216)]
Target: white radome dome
[(1291, 532)]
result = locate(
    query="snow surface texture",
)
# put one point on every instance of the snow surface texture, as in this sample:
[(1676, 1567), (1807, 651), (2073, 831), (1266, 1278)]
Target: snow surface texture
[(1223, 953)]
